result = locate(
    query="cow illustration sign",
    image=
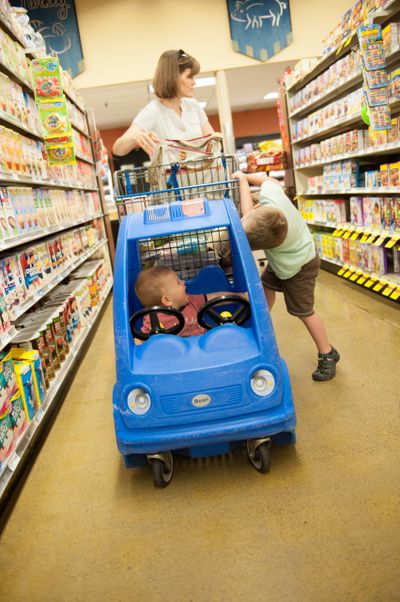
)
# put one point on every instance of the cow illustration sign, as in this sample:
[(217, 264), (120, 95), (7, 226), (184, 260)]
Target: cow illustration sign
[(259, 29)]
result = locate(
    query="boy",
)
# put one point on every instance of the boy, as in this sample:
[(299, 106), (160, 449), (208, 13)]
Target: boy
[(160, 285), (276, 226)]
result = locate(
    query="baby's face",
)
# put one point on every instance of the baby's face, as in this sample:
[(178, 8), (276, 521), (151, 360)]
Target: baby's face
[(175, 289)]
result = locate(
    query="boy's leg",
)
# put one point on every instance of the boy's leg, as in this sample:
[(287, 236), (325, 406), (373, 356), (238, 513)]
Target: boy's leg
[(270, 295), (316, 328)]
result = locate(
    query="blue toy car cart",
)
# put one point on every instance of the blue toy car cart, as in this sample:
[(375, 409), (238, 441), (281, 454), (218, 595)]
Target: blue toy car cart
[(199, 395)]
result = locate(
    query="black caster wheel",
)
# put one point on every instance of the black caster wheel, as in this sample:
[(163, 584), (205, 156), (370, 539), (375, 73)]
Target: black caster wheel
[(261, 458), (162, 471)]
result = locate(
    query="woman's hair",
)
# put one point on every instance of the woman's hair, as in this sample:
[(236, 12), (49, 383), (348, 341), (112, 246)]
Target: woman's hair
[(170, 65), (149, 287), (265, 227)]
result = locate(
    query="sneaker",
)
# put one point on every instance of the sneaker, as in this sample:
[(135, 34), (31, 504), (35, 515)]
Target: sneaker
[(326, 368)]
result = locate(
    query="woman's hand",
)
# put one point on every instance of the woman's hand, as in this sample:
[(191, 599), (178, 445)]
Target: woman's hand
[(136, 137), (148, 141)]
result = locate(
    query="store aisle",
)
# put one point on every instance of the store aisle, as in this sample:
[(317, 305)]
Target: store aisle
[(322, 526)]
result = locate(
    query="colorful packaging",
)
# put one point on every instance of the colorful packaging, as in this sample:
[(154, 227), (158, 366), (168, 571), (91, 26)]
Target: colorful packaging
[(46, 78), (7, 441), (18, 416), (54, 119), (32, 358)]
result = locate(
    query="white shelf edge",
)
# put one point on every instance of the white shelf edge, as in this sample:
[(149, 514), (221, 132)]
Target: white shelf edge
[(7, 337), (39, 294), (358, 229), (371, 151), (4, 180), (10, 243), (17, 455), (355, 191)]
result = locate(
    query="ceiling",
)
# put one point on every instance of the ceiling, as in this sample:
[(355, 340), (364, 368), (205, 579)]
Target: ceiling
[(116, 106)]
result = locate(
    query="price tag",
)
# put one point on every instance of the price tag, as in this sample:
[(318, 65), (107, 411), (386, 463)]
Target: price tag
[(354, 236), (354, 276), (396, 294), (13, 461), (378, 287), (341, 272), (392, 242), (370, 282), (40, 414), (362, 279), (348, 274), (388, 290), (371, 238), (346, 234), (365, 237), (336, 232), (379, 240)]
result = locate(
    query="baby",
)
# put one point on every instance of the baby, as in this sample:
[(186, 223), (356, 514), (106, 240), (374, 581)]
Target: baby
[(160, 285)]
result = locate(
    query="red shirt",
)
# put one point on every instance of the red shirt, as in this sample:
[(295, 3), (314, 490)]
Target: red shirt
[(189, 312)]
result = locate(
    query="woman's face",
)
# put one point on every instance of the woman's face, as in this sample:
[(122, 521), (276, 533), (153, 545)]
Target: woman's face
[(186, 83)]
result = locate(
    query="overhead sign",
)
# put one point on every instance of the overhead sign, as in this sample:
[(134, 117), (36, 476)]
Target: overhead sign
[(259, 28), (56, 21)]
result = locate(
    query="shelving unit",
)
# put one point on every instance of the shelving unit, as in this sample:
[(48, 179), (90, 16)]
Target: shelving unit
[(11, 468), (315, 150)]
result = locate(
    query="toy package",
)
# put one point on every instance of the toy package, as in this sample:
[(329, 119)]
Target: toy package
[(17, 416), (54, 118), (46, 78), (7, 441), (356, 211), (372, 212), (32, 359), (60, 154), (387, 213)]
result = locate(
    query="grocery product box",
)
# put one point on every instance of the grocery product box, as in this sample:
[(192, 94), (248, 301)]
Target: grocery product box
[(356, 211), (372, 212)]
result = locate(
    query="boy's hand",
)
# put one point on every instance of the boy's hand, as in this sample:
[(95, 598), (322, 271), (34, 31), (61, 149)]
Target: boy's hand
[(239, 175)]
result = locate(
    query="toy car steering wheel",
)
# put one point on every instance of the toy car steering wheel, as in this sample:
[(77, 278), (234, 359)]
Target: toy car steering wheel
[(238, 317), (155, 326)]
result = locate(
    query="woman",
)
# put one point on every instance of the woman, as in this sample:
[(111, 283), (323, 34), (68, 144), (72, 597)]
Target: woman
[(174, 114)]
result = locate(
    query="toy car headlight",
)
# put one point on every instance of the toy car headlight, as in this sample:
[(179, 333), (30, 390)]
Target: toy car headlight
[(262, 383), (139, 401)]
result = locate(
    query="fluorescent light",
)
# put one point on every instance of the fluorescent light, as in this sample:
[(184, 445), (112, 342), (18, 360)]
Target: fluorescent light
[(271, 96), (202, 82), (203, 104)]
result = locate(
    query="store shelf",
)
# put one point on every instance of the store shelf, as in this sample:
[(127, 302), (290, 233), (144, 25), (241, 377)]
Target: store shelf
[(8, 70), (352, 191), (79, 129), (345, 86), (384, 149), (15, 461), (380, 16), (6, 119), (15, 241), (7, 337), (18, 311), (14, 179), (85, 159)]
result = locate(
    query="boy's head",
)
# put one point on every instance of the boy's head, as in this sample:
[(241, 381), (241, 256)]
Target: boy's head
[(265, 227), (160, 285)]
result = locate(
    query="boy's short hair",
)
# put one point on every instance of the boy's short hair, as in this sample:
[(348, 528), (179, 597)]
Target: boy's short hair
[(265, 227), (149, 287)]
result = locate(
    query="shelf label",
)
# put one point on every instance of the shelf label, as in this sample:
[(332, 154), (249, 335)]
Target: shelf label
[(346, 234), (388, 290), (355, 276), (348, 274), (370, 282), (392, 242), (365, 237), (341, 272), (378, 287), (354, 236), (13, 461), (371, 238), (396, 294), (380, 240)]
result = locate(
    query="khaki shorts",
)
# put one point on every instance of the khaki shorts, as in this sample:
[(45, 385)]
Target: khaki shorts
[(298, 291)]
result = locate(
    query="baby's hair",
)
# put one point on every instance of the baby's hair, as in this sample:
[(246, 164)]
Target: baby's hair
[(150, 284), (265, 227)]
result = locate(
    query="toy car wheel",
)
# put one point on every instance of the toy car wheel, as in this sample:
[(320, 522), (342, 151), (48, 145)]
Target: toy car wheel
[(162, 473), (261, 458)]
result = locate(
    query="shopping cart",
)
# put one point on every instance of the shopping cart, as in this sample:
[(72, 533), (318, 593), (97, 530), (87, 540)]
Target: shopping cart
[(135, 188), (200, 395)]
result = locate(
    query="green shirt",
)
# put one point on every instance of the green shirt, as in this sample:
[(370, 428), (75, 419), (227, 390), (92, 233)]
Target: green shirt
[(298, 247)]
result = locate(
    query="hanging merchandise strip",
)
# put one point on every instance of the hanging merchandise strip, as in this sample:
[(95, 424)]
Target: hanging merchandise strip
[(53, 111), (376, 111)]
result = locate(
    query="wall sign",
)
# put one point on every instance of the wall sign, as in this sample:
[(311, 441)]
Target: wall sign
[(259, 28), (56, 21)]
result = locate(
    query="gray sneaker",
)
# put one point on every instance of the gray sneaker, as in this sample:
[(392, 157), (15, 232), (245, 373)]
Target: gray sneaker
[(326, 368)]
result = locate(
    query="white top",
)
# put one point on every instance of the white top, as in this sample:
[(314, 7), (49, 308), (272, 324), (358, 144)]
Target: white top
[(167, 124), (298, 247)]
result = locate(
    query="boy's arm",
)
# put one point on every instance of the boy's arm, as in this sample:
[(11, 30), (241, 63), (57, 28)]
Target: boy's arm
[(256, 179)]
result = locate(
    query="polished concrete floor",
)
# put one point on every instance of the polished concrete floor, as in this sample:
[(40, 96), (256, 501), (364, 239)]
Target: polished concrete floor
[(322, 526)]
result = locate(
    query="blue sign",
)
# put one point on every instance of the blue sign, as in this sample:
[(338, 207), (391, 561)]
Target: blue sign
[(259, 28), (56, 21)]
